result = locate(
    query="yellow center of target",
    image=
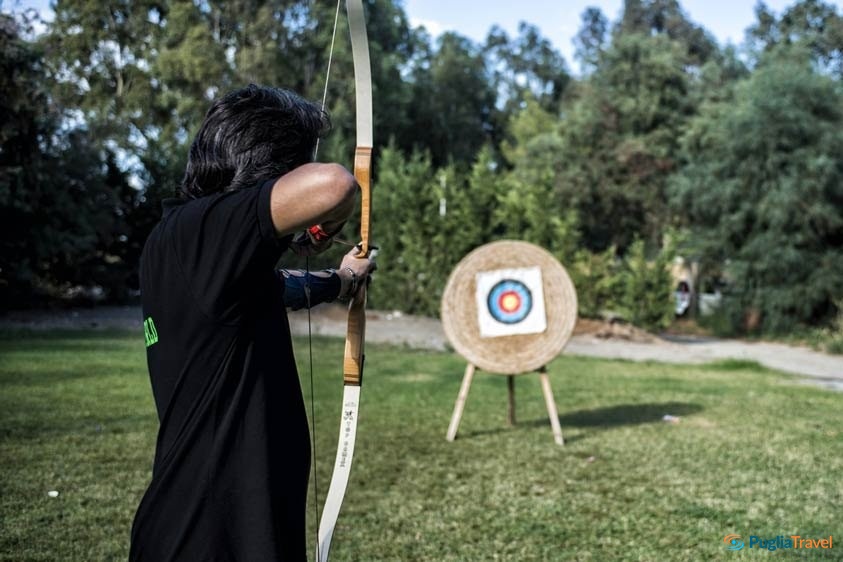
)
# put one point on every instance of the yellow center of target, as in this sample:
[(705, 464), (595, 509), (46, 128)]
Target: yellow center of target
[(510, 302)]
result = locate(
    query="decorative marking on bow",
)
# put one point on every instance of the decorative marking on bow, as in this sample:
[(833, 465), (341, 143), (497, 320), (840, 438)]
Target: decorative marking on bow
[(356, 332)]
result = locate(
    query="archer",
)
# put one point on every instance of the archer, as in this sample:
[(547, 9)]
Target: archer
[(232, 457)]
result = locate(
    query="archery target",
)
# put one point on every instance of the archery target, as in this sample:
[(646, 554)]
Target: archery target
[(509, 302), (509, 307)]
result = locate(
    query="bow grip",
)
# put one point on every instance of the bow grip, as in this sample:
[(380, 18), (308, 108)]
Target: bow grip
[(363, 175)]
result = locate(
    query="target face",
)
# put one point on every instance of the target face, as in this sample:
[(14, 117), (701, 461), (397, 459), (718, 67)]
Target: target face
[(510, 301)]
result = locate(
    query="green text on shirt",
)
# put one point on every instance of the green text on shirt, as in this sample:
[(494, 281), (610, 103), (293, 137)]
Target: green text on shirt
[(150, 334)]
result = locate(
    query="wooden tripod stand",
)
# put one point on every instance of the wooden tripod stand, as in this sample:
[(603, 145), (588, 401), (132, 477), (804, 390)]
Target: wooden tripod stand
[(510, 383)]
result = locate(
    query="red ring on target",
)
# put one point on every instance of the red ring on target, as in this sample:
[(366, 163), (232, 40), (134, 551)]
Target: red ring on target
[(509, 301)]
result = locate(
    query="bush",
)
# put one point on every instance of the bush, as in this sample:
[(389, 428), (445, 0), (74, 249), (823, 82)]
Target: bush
[(647, 287), (599, 285)]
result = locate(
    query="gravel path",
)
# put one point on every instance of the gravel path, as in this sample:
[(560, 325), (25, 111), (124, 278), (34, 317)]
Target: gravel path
[(826, 370), (420, 332), (415, 331)]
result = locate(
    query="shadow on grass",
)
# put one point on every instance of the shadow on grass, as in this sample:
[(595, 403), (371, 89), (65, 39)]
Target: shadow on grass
[(596, 418), (626, 414)]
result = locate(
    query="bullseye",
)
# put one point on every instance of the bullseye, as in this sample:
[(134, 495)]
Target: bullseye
[(509, 301)]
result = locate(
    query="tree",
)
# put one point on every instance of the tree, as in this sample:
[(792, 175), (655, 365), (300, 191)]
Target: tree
[(763, 189), (415, 236), (619, 142), (527, 65), (100, 57), (812, 24), (666, 17), (60, 196), (646, 286), (529, 203), (591, 38), (453, 102)]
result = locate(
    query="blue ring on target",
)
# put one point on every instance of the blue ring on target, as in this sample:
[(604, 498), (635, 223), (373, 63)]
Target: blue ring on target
[(509, 301)]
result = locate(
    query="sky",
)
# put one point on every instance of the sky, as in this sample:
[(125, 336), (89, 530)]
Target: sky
[(559, 20)]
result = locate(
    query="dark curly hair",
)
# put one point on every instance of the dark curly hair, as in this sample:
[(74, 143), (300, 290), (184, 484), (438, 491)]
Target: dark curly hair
[(250, 135)]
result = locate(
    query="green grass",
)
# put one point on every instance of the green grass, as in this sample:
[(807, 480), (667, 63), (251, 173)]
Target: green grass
[(754, 453)]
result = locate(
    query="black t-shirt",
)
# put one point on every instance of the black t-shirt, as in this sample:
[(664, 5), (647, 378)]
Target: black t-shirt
[(229, 481)]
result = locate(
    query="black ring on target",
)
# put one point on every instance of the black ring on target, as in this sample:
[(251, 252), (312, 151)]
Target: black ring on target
[(509, 301)]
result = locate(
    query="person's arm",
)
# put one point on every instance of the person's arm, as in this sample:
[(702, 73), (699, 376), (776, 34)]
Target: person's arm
[(322, 286), (312, 194), (326, 285)]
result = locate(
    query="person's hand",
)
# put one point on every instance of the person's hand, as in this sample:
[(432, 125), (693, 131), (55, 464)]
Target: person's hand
[(312, 241), (354, 272)]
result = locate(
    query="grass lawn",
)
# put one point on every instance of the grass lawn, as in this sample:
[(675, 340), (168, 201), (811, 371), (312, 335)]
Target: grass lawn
[(754, 453)]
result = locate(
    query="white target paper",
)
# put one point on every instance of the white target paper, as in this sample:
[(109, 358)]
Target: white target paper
[(510, 302)]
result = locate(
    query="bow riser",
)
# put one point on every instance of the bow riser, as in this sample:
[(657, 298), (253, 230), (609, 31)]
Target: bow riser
[(363, 174), (352, 369)]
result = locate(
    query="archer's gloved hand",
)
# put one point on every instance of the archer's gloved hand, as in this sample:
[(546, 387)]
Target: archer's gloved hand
[(311, 242), (353, 271)]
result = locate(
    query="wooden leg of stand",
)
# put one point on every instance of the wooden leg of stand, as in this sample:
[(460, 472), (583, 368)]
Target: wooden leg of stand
[(510, 385), (460, 405), (551, 407)]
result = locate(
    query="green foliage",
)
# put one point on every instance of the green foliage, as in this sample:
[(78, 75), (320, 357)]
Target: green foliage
[(78, 418), (101, 59), (636, 287), (832, 336), (408, 220), (813, 25), (529, 206), (726, 320), (763, 187), (599, 283), (647, 287), (525, 67), (590, 40), (619, 144), (531, 121), (666, 18), (458, 102), (62, 200)]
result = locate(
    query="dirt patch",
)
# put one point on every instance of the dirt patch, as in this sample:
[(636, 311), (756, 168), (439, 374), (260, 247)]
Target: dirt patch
[(611, 329)]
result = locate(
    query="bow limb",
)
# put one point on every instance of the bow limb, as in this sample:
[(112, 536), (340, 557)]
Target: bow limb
[(363, 94), (352, 382), (356, 333)]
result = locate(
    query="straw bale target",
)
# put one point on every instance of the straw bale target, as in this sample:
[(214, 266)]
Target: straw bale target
[(509, 307)]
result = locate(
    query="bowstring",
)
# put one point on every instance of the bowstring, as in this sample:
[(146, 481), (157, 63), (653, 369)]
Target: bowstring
[(307, 295), (328, 71)]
